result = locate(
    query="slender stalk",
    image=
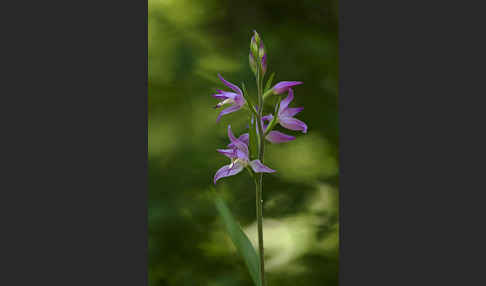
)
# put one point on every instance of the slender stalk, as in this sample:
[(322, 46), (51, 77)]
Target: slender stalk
[(259, 177), (259, 208)]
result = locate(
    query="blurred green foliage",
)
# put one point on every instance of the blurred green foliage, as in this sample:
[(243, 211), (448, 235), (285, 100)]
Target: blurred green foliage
[(190, 41)]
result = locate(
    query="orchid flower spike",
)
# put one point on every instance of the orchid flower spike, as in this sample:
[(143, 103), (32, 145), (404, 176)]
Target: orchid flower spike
[(238, 154), (284, 86), (234, 98), (285, 115)]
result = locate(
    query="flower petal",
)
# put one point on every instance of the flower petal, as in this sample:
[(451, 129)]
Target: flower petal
[(237, 143), (293, 124), (226, 171), (230, 94), (230, 85), (240, 100), (267, 117), (290, 112), (245, 138), (283, 86), (241, 155), (285, 102), (278, 137), (258, 167), (228, 110), (219, 96), (230, 153)]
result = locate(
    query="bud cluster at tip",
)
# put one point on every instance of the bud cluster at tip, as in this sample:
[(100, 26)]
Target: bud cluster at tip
[(257, 54)]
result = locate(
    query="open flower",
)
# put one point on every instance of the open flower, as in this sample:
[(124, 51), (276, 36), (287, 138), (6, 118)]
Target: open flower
[(234, 98), (285, 115), (238, 154), (284, 86), (272, 137), (275, 136)]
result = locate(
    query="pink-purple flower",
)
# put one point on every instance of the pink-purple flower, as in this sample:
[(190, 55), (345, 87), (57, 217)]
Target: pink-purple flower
[(239, 156), (235, 98), (284, 86), (273, 136), (285, 115)]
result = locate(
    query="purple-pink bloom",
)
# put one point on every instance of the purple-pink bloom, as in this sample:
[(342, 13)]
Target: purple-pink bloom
[(278, 137), (273, 136), (245, 138), (284, 86), (235, 98), (286, 114), (238, 154)]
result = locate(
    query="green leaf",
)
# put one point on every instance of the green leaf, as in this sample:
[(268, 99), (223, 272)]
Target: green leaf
[(247, 98), (253, 142), (269, 82), (240, 240)]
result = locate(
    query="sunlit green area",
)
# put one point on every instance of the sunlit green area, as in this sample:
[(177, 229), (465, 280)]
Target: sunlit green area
[(190, 41)]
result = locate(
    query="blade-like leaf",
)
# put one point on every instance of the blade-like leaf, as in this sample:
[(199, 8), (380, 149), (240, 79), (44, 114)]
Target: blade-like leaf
[(253, 143), (269, 82), (247, 98), (240, 240)]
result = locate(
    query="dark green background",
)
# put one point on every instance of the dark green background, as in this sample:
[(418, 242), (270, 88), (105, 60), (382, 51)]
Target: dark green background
[(191, 41)]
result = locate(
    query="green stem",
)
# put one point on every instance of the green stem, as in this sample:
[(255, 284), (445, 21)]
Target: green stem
[(259, 180), (259, 208)]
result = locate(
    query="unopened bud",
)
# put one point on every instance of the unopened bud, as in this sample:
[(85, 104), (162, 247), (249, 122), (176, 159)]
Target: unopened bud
[(257, 54), (253, 64), (264, 63), (261, 50), (255, 43)]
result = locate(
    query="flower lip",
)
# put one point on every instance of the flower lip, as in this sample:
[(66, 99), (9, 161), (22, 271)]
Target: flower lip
[(228, 110), (226, 171)]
